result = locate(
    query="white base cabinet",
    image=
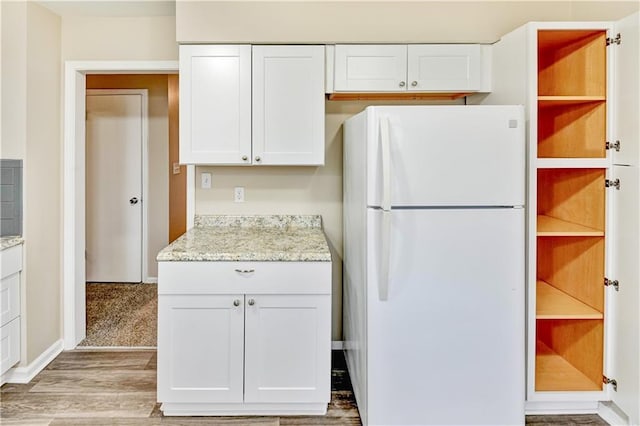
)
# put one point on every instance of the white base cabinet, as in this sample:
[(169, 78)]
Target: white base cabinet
[(225, 348), (11, 260)]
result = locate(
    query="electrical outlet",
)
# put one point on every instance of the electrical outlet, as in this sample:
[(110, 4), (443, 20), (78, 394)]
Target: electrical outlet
[(205, 180), (238, 194)]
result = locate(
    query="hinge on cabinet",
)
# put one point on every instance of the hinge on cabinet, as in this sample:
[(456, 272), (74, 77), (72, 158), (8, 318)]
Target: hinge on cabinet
[(612, 183), (615, 145), (612, 382), (612, 283), (616, 40)]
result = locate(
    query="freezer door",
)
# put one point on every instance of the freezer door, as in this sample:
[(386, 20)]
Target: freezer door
[(446, 155), (448, 344)]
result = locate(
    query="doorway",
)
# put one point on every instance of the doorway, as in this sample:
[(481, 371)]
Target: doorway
[(77, 74)]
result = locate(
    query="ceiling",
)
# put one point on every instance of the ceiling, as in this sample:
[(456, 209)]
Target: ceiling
[(111, 7)]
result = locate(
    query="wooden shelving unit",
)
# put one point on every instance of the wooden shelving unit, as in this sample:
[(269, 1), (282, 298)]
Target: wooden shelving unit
[(570, 224)]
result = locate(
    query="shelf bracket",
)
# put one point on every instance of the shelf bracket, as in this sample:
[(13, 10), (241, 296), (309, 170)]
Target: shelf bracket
[(612, 382), (612, 283), (615, 145), (612, 183), (616, 40)]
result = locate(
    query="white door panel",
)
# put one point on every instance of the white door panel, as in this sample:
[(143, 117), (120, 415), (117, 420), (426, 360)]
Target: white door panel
[(287, 348), (449, 156), (200, 348), (451, 333), (114, 132), (370, 68), (444, 67), (623, 358), (627, 91), (288, 105)]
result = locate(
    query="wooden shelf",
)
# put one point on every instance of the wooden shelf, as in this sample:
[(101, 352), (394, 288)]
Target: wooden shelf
[(554, 373), (550, 101), (552, 303), (548, 226), (572, 163), (402, 96)]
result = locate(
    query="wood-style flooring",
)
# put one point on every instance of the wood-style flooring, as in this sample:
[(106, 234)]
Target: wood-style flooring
[(110, 387)]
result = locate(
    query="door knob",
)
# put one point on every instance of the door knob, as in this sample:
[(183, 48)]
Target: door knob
[(236, 302), (402, 83), (133, 201), (244, 158), (251, 302), (414, 83), (258, 159)]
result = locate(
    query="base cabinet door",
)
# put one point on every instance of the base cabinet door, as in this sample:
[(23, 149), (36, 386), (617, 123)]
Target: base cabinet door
[(288, 348), (200, 348)]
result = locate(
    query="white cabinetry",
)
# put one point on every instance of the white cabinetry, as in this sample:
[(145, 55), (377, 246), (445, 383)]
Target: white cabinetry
[(580, 89), (11, 259), (408, 68), (235, 111), (244, 338), (215, 104)]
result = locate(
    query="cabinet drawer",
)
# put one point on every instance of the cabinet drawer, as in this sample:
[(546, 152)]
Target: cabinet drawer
[(11, 261), (244, 277), (9, 298), (9, 345)]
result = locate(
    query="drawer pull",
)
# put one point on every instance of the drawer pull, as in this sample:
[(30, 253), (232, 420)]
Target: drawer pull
[(245, 271)]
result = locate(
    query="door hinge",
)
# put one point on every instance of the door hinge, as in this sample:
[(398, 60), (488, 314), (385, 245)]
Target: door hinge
[(612, 183), (616, 40), (615, 145), (612, 382), (612, 283)]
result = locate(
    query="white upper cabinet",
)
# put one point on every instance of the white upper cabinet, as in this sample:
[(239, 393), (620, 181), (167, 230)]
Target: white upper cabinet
[(237, 112), (215, 104), (409, 68), (443, 67), (370, 68), (288, 105)]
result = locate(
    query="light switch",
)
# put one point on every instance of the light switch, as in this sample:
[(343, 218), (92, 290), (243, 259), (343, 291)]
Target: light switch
[(205, 180), (176, 168)]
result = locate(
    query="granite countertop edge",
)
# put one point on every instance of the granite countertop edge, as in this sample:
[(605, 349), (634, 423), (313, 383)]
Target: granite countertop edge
[(228, 238), (10, 241)]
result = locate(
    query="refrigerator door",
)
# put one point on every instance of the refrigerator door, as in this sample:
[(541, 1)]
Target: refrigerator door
[(448, 346), (446, 155)]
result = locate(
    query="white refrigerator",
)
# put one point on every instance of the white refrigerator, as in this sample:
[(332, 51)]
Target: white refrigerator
[(434, 264)]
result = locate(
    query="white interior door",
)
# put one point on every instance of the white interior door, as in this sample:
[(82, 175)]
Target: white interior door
[(114, 172)]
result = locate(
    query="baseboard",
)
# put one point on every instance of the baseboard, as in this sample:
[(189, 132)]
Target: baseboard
[(560, 407), (27, 373), (612, 414), (337, 345), (151, 280)]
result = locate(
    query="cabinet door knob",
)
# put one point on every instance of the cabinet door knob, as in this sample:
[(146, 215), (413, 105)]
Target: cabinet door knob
[(236, 302), (244, 158), (251, 302), (258, 159), (402, 83), (414, 83)]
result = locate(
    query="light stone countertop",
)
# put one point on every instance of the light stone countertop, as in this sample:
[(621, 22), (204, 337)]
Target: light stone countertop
[(8, 242), (251, 238)]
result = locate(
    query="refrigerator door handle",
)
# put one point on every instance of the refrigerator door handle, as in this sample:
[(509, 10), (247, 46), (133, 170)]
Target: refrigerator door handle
[(385, 144), (385, 243)]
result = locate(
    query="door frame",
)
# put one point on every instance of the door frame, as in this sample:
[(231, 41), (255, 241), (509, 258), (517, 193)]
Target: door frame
[(73, 179), (144, 190)]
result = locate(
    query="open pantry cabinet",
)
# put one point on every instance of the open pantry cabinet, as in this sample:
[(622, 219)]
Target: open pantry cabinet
[(579, 84)]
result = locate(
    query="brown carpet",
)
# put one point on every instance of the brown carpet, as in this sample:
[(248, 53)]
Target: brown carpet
[(121, 314)]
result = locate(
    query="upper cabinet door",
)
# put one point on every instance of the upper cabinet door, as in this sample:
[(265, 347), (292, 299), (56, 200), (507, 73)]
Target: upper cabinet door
[(627, 87), (370, 68), (215, 104), (444, 67), (288, 105)]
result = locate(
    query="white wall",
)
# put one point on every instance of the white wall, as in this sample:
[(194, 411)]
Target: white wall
[(31, 75), (158, 197)]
